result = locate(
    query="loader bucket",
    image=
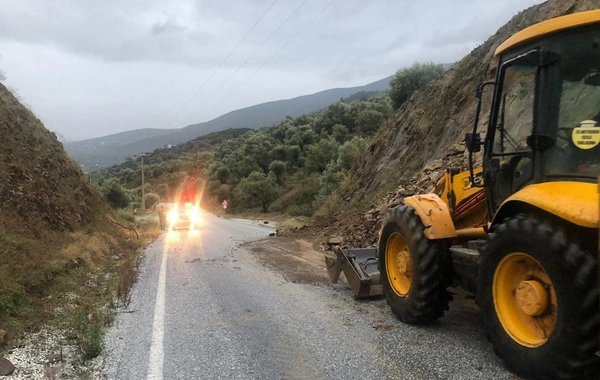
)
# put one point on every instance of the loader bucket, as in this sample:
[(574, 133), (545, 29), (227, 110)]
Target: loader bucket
[(360, 266)]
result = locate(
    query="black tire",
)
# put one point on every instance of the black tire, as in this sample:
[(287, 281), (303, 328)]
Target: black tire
[(428, 297), (569, 351)]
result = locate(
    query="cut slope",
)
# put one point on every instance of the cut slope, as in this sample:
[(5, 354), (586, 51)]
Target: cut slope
[(436, 117), (426, 134), (52, 230), (41, 187)]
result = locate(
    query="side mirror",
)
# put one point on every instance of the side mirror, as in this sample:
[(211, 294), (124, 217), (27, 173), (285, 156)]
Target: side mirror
[(473, 142)]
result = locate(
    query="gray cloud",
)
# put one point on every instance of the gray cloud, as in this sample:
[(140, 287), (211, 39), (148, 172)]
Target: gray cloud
[(101, 66)]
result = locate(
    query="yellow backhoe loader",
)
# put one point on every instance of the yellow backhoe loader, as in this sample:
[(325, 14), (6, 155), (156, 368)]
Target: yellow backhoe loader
[(521, 232)]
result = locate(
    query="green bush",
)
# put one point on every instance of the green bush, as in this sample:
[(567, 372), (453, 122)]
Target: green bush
[(115, 194), (321, 154), (259, 187), (88, 326), (277, 168), (408, 80), (151, 200)]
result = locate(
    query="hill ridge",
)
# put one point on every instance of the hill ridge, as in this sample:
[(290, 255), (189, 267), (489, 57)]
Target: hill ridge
[(112, 149)]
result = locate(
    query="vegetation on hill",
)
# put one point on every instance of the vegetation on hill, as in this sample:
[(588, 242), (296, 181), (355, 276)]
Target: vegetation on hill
[(290, 167), (112, 149), (410, 79), (295, 166)]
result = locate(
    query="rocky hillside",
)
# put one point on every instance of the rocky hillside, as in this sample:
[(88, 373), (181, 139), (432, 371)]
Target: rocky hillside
[(425, 135)]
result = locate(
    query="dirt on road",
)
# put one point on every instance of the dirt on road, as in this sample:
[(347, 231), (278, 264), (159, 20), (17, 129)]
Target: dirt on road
[(300, 260)]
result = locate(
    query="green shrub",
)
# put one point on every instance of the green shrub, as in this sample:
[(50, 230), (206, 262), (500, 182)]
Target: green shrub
[(115, 194), (88, 326), (126, 215), (408, 80), (151, 200)]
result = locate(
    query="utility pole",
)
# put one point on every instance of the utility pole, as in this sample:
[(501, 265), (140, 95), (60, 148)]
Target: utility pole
[(143, 191)]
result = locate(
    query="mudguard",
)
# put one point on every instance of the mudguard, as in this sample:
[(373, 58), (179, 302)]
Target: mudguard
[(434, 214)]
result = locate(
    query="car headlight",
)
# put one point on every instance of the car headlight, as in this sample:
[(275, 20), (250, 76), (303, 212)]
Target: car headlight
[(172, 217), (195, 216)]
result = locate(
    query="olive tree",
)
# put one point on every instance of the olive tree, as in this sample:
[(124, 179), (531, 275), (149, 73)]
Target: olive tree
[(409, 79), (261, 188)]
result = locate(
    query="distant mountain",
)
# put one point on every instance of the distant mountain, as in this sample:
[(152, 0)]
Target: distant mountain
[(112, 149)]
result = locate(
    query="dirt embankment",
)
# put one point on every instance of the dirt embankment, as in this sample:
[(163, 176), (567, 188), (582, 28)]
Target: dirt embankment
[(57, 243)]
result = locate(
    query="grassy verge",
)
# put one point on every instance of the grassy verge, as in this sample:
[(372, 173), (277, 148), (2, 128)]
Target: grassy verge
[(73, 283)]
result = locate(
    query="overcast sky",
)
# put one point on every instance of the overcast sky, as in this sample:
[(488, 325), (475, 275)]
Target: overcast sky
[(94, 67)]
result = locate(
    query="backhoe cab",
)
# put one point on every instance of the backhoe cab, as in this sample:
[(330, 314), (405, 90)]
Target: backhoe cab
[(521, 232)]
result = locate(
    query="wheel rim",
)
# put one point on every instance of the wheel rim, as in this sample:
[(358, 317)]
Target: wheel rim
[(525, 299), (398, 264)]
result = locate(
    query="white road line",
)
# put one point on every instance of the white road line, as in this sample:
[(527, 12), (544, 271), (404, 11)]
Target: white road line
[(155, 363)]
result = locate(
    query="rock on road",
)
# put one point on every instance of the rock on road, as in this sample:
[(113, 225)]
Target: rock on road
[(205, 308)]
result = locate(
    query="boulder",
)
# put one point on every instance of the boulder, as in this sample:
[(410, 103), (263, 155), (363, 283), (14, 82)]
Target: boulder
[(433, 165), (335, 240), (6, 367)]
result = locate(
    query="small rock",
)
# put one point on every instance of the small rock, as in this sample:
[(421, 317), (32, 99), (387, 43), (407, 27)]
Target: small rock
[(369, 218), (52, 372), (6, 367), (2, 337), (54, 358), (272, 234), (433, 165), (422, 181), (266, 222), (456, 149), (335, 240)]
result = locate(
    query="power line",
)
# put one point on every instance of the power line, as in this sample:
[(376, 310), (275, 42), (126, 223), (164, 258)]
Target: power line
[(223, 62), (248, 59), (277, 52)]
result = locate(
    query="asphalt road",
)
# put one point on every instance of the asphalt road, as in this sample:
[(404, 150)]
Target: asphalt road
[(204, 308)]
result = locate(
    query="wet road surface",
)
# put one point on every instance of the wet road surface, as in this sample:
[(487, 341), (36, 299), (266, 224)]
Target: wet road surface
[(205, 308)]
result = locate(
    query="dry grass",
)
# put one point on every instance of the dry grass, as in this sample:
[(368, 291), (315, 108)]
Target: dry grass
[(76, 284), (57, 246), (330, 206)]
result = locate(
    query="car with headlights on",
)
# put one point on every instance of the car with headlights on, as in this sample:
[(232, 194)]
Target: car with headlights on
[(184, 216)]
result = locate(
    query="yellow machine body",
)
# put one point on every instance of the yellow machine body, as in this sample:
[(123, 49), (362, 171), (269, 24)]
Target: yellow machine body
[(455, 208), (575, 202)]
